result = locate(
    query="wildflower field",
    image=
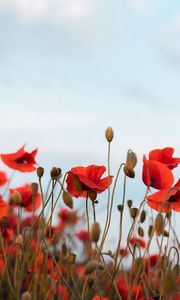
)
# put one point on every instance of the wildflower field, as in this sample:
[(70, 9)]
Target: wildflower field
[(69, 261)]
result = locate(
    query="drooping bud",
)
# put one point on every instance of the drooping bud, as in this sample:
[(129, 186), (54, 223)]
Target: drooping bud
[(131, 160), (129, 172), (55, 173), (40, 172), (34, 187), (90, 267), (109, 134), (159, 224), (95, 232), (133, 212), (67, 199)]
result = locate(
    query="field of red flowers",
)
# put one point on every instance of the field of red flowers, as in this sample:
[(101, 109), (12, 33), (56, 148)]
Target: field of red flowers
[(38, 260)]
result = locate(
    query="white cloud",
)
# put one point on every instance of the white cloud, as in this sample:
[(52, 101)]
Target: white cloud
[(53, 10)]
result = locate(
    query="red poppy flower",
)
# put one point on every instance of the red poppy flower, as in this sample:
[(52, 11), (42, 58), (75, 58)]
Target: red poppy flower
[(165, 156), (3, 207), (3, 178), (21, 160), (156, 174), (82, 235), (29, 201), (135, 240), (122, 287), (172, 196), (123, 252), (97, 297), (89, 178)]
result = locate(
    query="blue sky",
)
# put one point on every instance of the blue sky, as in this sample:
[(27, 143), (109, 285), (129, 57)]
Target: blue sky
[(70, 68)]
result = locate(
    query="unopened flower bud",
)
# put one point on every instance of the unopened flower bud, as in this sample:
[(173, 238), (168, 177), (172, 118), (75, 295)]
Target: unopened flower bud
[(55, 173), (15, 198), (95, 232), (109, 134), (64, 249), (129, 172), (26, 296), (40, 172), (90, 267), (131, 160), (137, 266), (140, 231), (129, 203), (34, 187), (133, 212), (159, 224), (120, 207), (143, 216), (150, 230), (166, 233), (68, 199)]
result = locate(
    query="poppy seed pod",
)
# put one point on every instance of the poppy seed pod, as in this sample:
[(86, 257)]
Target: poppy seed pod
[(133, 212), (34, 187), (40, 172), (95, 232), (26, 296), (159, 224), (68, 199), (90, 267), (109, 134)]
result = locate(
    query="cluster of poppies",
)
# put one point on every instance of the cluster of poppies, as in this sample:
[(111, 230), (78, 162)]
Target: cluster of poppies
[(37, 258)]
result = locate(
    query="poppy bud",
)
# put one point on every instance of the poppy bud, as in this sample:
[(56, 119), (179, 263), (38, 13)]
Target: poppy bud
[(40, 172), (26, 296), (131, 160), (168, 215), (96, 201), (109, 134), (129, 203), (140, 231), (34, 187), (90, 267), (100, 266), (133, 212), (159, 224), (92, 195), (68, 199), (95, 232), (143, 216), (120, 207), (55, 173), (72, 259), (77, 184)]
